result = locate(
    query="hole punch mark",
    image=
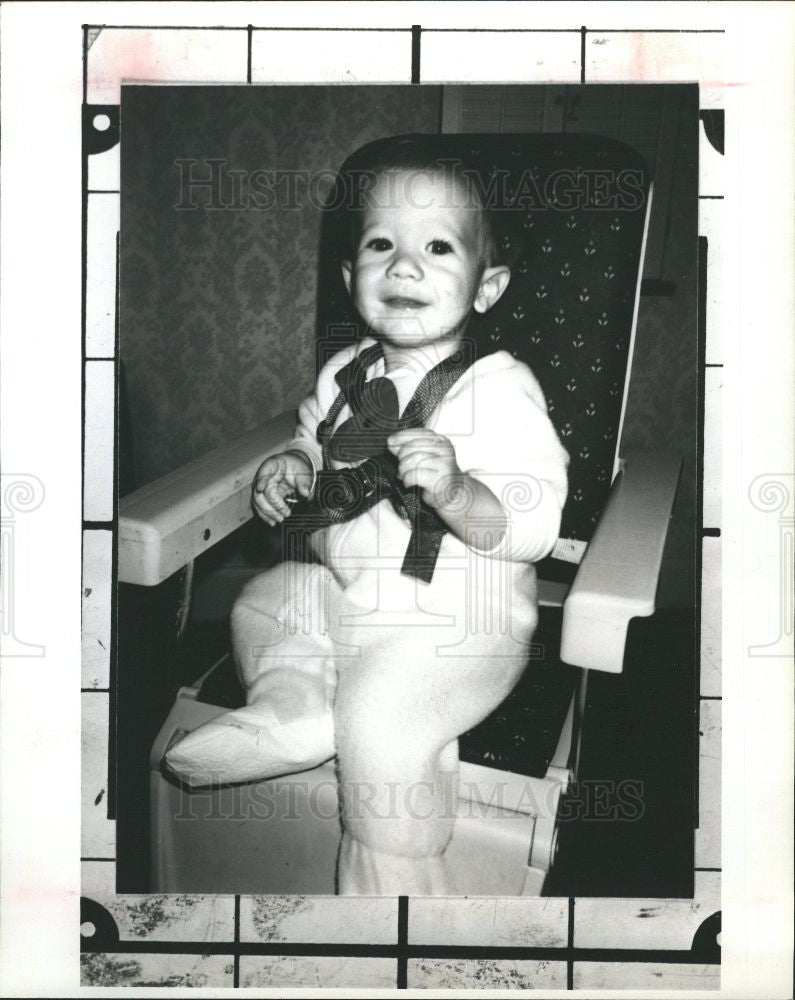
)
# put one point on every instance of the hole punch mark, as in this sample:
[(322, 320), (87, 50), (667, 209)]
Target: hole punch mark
[(105, 936), (100, 127)]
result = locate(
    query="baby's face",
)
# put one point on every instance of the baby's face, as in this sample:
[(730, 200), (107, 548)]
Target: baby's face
[(419, 268)]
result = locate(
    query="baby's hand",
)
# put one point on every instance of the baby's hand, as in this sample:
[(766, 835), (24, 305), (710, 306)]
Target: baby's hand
[(427, 460), (278, 477)]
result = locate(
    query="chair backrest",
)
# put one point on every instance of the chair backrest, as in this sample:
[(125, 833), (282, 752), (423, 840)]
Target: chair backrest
[(577, 208)]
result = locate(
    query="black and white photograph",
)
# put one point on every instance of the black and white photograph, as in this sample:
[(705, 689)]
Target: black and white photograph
[(415, 559), (250, 284)]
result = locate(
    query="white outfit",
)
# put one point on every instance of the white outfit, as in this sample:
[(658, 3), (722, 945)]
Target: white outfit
[(353, 657)]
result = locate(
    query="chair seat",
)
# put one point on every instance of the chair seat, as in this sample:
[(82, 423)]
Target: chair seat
[(520, 735)]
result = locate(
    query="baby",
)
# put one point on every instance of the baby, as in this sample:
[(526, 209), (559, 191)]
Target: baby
[(414, 623)]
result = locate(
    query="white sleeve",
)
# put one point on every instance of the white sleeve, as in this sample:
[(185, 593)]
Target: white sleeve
[(523, 463), (305, 438)]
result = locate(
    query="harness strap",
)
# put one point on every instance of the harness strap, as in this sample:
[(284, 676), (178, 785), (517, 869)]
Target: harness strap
[(350, 379), (342, 494)]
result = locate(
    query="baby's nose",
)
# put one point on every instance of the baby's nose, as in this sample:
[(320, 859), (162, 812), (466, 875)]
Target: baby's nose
[(404, 265)]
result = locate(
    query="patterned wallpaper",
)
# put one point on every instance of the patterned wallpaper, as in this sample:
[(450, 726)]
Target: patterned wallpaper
[(218, 303)]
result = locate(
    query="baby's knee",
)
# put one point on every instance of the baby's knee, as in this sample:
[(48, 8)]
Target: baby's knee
[(381, 747), (255, 633), (271, 607), (264, 594)]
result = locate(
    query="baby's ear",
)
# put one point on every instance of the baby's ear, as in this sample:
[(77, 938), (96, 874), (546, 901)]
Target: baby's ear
[(492, 284), (347, 271)]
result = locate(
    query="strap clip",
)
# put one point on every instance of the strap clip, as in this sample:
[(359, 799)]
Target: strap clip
[(369, 485)]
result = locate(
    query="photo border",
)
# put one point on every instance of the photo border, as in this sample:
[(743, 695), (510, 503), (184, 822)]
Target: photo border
[(593, 943)]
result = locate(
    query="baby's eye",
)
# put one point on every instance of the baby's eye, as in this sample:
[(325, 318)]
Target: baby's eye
[(440, 247), (378, 243)]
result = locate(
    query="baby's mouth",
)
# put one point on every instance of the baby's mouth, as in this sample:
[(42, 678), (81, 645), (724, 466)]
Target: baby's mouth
[(403, 302)]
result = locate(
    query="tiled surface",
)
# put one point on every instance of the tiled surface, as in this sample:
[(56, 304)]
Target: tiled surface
[(709, 786), (509, 57), (522, 921), (103, 170), (98, 833), (711, 617), (140, 55), (313, 972), (708, 834), (346, 920), (656, 924), (98, 456), (670, 56), (646, 923), (335, 56), (710, 224), (710, 164), (159, 917), (197, 971), (473, 974), (96, 600), (713, 444), (645, 976), (103, 225)]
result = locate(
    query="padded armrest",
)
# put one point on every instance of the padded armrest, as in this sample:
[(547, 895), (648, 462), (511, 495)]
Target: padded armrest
[(617, 579), (166, 524)]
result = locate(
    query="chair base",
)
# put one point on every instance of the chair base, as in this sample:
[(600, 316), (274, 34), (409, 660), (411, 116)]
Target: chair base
[(282, 836)]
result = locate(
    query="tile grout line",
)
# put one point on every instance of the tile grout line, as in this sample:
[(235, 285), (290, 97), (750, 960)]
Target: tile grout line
[(583, 32), (402, 942), (398, 30), (416, 44), (570, 946), (236, 972)]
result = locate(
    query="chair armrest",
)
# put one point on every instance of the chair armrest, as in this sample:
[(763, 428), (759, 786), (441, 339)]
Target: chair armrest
[(167, 523), (617, 579)]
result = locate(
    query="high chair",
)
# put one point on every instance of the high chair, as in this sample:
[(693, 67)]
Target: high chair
[(570, 312)]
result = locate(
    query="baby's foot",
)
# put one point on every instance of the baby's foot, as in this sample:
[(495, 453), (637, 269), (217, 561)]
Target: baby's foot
[(251, 744)]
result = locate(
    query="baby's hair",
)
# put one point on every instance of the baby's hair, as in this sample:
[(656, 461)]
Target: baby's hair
[(415, 153)]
